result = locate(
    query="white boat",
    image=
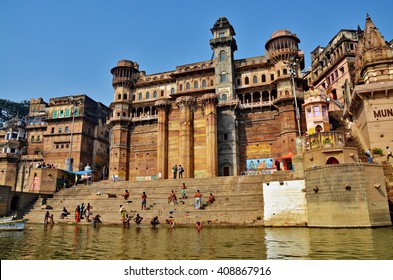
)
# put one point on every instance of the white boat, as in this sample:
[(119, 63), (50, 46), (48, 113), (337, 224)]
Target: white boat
[(7, 219), (13, 225)]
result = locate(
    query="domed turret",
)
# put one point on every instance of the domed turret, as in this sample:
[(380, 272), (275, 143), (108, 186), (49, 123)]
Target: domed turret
[(282, 46)]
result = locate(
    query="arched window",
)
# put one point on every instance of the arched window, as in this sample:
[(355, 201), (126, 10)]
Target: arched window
[(223, 77), (124, 114), (278, 73), (188, 86), (196, 85), (54, 114), (155, 94), (125, 96), (172, 90), (140, 96), (38, 138), (223, 56), (263, 78), (32, 138), (254, 79), (284, 71), (204, 84), (147, 95), (61, 113), (246, 80), (224, 97)]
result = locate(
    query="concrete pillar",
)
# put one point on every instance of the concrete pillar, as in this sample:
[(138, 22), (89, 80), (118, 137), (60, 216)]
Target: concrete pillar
[(210, 101), (186, 105), (163, 107)]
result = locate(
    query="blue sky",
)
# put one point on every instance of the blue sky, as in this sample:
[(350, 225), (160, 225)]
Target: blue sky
[(58, 48)]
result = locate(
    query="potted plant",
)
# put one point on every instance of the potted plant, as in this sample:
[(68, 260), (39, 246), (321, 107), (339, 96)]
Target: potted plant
[(377, 151)]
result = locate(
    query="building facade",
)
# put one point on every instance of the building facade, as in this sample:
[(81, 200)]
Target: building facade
[(69, 127), (333, 67), (219, 117)]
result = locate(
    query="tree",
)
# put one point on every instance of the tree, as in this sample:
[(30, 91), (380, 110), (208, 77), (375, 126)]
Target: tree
[(10, 109)]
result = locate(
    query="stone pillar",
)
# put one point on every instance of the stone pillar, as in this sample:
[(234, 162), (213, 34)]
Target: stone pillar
[(186, 105), (210, 101), (163, 107)]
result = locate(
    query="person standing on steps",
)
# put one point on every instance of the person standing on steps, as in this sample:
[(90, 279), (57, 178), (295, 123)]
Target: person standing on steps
[(369, 157), (389, 151), (183, 191), (181, 170), (198, 199), (88, 212), (144, 200), (174, 171)]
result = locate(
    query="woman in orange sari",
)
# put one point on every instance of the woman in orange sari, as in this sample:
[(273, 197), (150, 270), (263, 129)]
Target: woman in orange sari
[(77, 214)]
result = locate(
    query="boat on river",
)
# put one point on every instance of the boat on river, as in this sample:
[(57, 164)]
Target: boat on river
[(7, 219), (13, 225)]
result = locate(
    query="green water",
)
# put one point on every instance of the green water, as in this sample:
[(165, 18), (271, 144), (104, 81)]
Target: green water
[(75, 242)]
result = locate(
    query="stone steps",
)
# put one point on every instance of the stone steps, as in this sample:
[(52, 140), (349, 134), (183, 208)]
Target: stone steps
[(239, 200)]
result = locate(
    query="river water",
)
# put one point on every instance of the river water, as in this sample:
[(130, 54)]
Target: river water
[(104, 242)]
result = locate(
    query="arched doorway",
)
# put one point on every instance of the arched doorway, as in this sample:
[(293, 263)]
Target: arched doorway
[(332, 160), (15, 203)]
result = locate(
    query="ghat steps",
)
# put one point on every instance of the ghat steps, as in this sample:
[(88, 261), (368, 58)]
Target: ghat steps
[(239, 200)]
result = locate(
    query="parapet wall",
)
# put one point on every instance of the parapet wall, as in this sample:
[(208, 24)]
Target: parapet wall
[(347, 195)]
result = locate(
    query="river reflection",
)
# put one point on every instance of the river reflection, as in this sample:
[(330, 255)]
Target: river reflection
[(74, 242)]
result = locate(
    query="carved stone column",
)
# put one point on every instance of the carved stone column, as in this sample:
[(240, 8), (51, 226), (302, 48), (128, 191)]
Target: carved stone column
[(163, 107), (210, 101), (187, 106)]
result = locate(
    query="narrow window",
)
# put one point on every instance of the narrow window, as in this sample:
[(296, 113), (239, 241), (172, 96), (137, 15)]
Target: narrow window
[(52, 130), (246, 80), (60, 129), (172, 90), (66, 130), (125, 96), (67, 112), (147, 95), (54, 114), (272, 77), (263, 78), (223, 77), (204, 83), (196, 85), (155, 94), (188, 86), (32, 138), (223, 56), (255, 79), (140, 96)]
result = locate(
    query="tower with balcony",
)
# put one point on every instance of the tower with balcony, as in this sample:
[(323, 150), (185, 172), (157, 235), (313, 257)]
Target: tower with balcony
[(125, 76)]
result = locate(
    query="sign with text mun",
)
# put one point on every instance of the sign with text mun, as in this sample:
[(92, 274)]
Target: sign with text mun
[(383, 113)]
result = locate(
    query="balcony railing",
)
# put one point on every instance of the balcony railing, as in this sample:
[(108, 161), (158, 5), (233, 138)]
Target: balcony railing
[(324, 140)]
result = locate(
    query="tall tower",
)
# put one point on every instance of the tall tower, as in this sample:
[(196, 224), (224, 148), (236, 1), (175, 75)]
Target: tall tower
[(224, 45), (284, 54), (125, 76)]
